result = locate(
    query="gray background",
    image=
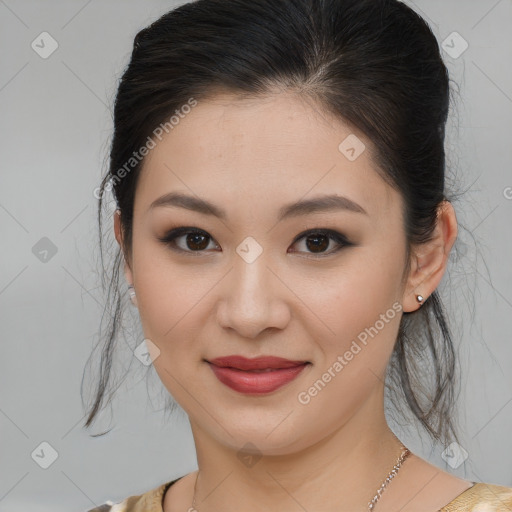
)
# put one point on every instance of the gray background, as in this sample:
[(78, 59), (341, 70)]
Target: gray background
[(55, 129)]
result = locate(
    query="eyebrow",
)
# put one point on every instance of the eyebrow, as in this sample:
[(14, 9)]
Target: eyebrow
[(301, 207)]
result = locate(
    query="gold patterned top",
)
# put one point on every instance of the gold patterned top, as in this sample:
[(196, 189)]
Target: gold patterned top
[(481, 497)]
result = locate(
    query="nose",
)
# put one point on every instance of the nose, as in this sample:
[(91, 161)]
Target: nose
[(253, 298)]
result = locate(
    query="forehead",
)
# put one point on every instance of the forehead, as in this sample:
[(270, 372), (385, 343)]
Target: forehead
[(268, 150)]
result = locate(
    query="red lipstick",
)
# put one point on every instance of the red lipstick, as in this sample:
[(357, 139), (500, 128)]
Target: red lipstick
[(255, 376)]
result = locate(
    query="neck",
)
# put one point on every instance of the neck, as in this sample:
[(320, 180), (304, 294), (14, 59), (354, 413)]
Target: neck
[(340, 472)]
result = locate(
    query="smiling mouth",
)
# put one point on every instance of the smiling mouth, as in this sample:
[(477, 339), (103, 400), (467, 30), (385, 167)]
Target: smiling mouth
[(258, 381)]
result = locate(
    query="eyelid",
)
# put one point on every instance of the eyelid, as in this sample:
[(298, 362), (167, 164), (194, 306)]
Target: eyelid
[(322, 231), (171, 235), (332, 234), (169, 238)]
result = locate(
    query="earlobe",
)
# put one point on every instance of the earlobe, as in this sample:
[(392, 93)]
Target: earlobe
[(429, 260), (118, 232), (133, 296), (117, 227)]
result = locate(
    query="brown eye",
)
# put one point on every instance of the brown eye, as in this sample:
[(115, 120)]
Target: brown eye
[(317, 241), (196, 241), (187, 239), (192, 240)]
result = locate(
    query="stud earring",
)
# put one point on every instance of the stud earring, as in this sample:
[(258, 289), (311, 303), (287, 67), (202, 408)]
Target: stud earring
[(419, 298)]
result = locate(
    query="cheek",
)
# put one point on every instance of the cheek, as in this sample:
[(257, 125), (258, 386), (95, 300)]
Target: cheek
[(170, 302), (353, 298), (360, 308), (167, 296)]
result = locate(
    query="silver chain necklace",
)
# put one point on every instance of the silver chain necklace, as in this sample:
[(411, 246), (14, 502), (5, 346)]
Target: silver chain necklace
[(405, 453), (371, 505)]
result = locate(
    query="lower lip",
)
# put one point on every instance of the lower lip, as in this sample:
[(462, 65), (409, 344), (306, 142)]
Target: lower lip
[(256, 382)]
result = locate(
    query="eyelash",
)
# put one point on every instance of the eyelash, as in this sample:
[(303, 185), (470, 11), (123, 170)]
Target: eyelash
[(170, 239)]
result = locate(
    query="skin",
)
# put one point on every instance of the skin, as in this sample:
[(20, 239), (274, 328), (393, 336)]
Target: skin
[(251, 158)]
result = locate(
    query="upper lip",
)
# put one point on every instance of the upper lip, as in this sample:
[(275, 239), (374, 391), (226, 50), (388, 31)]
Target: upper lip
[(257, 363)]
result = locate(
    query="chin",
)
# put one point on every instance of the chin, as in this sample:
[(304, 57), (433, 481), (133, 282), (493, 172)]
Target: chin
[(270, 438)]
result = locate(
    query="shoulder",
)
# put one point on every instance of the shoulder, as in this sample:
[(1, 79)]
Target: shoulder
[(482, 497), (149, 501)]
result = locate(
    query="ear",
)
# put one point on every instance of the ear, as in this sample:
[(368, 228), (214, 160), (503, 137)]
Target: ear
[(429, 260), (119, 237)]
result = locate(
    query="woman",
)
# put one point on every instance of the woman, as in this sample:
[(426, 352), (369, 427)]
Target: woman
[(279, 174)]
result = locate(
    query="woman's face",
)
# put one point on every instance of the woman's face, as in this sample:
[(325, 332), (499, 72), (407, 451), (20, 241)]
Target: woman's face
[(247, 286)]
